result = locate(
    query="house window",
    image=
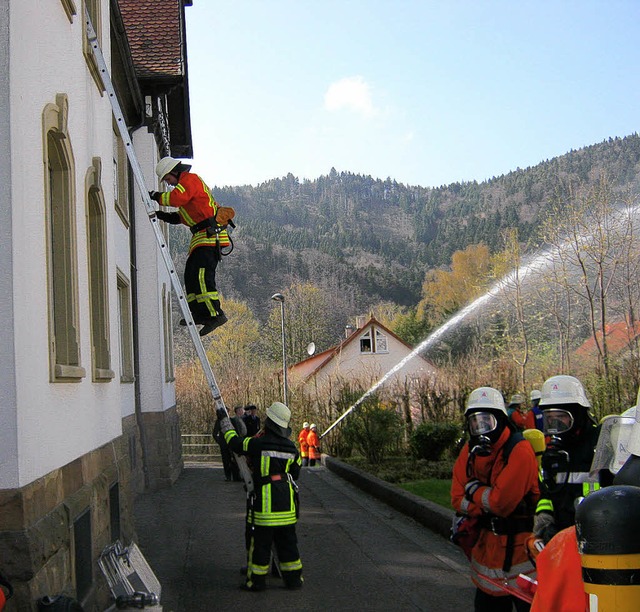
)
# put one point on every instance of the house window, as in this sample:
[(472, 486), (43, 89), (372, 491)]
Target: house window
[(62, 282), (83, 560), (373, 342), (114, 511), (381, 342), (127, 374), (97, 260), (69, 8), (120, 177), (366, 346), (92, 8), (168, 335)]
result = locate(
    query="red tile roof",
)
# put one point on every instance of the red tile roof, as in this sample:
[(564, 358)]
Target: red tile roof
[(619, 336), (155, 33)]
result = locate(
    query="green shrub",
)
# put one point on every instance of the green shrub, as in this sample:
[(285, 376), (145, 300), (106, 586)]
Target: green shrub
[(431, 440)]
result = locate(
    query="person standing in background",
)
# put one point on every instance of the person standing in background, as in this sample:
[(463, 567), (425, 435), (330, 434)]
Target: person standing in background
[(304, 445), (251, 420), (534, 418), (313, 442)]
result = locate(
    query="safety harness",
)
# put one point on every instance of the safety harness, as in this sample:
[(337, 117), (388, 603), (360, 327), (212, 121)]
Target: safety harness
[(223, 220)]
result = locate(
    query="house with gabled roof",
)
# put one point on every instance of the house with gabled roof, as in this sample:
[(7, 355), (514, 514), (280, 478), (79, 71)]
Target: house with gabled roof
[(365, 355), (88, 413)]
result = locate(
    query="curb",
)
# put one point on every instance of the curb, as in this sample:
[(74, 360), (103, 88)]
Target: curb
[(427, 513)]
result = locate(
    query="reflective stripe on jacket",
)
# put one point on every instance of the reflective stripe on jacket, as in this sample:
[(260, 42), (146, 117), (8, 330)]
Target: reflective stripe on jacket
[(506, 486), (195, 203), (275, 464)]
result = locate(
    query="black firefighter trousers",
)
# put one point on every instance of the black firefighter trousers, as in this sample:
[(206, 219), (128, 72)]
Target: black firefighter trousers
[(200, 283), (260, 542)]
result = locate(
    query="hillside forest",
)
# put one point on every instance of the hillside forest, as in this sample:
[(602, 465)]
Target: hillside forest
[(556, 247)]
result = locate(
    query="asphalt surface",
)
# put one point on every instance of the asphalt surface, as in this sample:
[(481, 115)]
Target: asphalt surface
[(357, 552)]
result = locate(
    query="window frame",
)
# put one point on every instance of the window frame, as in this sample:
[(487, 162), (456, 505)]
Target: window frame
[(62, 263), (98, 273)]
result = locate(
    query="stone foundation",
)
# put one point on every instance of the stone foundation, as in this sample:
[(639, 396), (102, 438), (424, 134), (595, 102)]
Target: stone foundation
[(38, 524), (162, 448)]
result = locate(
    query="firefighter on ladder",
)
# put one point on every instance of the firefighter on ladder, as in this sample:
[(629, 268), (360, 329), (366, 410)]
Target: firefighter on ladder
[(495, 481), (273, 508), (197, 209)]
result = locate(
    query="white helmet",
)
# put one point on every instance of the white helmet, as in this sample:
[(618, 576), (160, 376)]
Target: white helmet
[(166, 165), (516, 400), (535, 395), (312, 426), (487, 398), (305, 425), (279, 414), (563, 389)]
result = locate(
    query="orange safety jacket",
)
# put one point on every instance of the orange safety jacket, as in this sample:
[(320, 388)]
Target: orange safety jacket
[(302, 441), (506, 501), (560, 584), (195, 203), (313, 441)]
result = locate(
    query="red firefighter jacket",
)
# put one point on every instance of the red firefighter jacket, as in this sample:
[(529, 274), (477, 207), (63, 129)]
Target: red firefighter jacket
[(314, 445), (560, 585), (506, 502), (194, 202), (302, 441)]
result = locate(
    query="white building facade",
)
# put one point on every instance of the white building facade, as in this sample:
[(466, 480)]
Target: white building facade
[(87, 400)]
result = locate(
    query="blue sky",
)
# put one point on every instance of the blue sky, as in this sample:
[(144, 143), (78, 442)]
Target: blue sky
[(425, 92)]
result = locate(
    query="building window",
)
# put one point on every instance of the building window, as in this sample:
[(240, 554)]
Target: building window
[(366, 346), (373, 342), (114, 511), (83, 561), (69, 8), (92, 8), (98, 287), (120, 177), (381, 342), (168, 334), (127, 373), (62, 283)]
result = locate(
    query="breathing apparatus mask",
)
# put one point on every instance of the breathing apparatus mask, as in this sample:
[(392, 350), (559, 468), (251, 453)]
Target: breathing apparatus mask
[(559, 425), (484, 431)]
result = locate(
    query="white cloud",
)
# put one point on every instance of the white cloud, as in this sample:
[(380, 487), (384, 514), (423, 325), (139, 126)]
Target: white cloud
[(351, 93)]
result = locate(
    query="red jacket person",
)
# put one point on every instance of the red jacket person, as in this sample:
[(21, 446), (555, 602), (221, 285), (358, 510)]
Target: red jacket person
[(495, 480), (197, 210)]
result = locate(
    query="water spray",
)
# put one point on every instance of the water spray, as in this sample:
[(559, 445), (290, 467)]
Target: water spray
[(537, 264)]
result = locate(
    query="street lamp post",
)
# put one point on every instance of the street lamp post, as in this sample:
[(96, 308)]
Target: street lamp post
[(278, 297)]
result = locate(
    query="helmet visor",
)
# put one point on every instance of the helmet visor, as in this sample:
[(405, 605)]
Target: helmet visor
[(481, 423), (556, 421)]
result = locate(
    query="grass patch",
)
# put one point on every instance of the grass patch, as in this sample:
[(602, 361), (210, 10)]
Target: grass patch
[(433, 489)]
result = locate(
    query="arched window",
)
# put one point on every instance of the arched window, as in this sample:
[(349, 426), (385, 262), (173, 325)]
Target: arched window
[(98, 274), (62, 285)]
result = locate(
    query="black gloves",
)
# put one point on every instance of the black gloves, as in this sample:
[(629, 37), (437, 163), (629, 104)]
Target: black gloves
[(221, 413), (155, 195), (168, 217)]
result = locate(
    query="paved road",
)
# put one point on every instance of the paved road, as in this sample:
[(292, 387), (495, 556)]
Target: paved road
[(357, 553)]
